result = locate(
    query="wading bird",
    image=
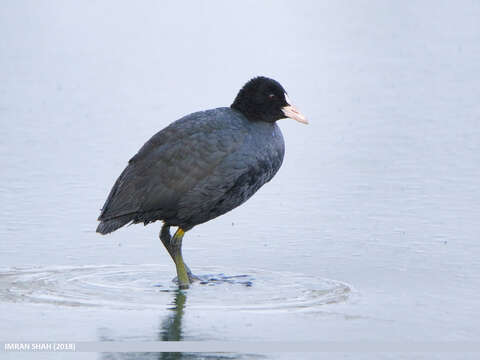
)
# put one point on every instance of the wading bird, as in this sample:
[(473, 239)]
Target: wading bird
[(202, 166)]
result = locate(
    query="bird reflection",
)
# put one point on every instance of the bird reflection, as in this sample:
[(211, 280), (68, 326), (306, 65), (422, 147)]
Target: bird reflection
[(171, 327), (171, 330)]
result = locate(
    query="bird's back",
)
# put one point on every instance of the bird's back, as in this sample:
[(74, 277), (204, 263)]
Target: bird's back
[(197, 168)]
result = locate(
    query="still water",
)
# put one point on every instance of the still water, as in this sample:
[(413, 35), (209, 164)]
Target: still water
[(369, 232)]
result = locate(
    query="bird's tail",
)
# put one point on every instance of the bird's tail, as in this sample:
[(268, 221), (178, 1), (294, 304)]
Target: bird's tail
[(107, 226)]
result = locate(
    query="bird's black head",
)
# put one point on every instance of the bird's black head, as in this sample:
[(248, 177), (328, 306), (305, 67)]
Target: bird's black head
[(264, 99)]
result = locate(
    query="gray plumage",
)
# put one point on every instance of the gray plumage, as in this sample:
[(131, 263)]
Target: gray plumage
[(199, 167)]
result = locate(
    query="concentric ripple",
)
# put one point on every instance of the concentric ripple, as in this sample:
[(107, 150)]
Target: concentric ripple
[(139, 287)]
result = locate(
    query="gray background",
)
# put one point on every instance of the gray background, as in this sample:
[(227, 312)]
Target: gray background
[(379, 192)]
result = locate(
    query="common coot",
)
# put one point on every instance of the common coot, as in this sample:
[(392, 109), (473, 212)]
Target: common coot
[(202, 166)]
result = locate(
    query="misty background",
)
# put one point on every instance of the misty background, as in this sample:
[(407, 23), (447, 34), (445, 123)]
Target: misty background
[(379, 192)]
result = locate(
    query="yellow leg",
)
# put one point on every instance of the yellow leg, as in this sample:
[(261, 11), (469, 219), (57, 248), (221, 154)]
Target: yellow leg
[(174, 248), (182, 273)]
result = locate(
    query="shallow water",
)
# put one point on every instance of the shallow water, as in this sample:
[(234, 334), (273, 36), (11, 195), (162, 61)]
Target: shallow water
[(369, 232), (147, 286)]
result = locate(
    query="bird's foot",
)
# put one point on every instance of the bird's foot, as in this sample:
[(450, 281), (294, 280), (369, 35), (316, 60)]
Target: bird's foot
[(191, 276), (191, 279)]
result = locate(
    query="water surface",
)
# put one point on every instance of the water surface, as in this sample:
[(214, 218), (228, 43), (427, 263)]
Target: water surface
[(369, 232)]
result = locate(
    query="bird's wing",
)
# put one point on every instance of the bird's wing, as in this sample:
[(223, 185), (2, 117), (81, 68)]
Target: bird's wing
[(172, 162)]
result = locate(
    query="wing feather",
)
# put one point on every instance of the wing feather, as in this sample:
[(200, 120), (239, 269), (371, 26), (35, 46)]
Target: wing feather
[(173, 162)]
